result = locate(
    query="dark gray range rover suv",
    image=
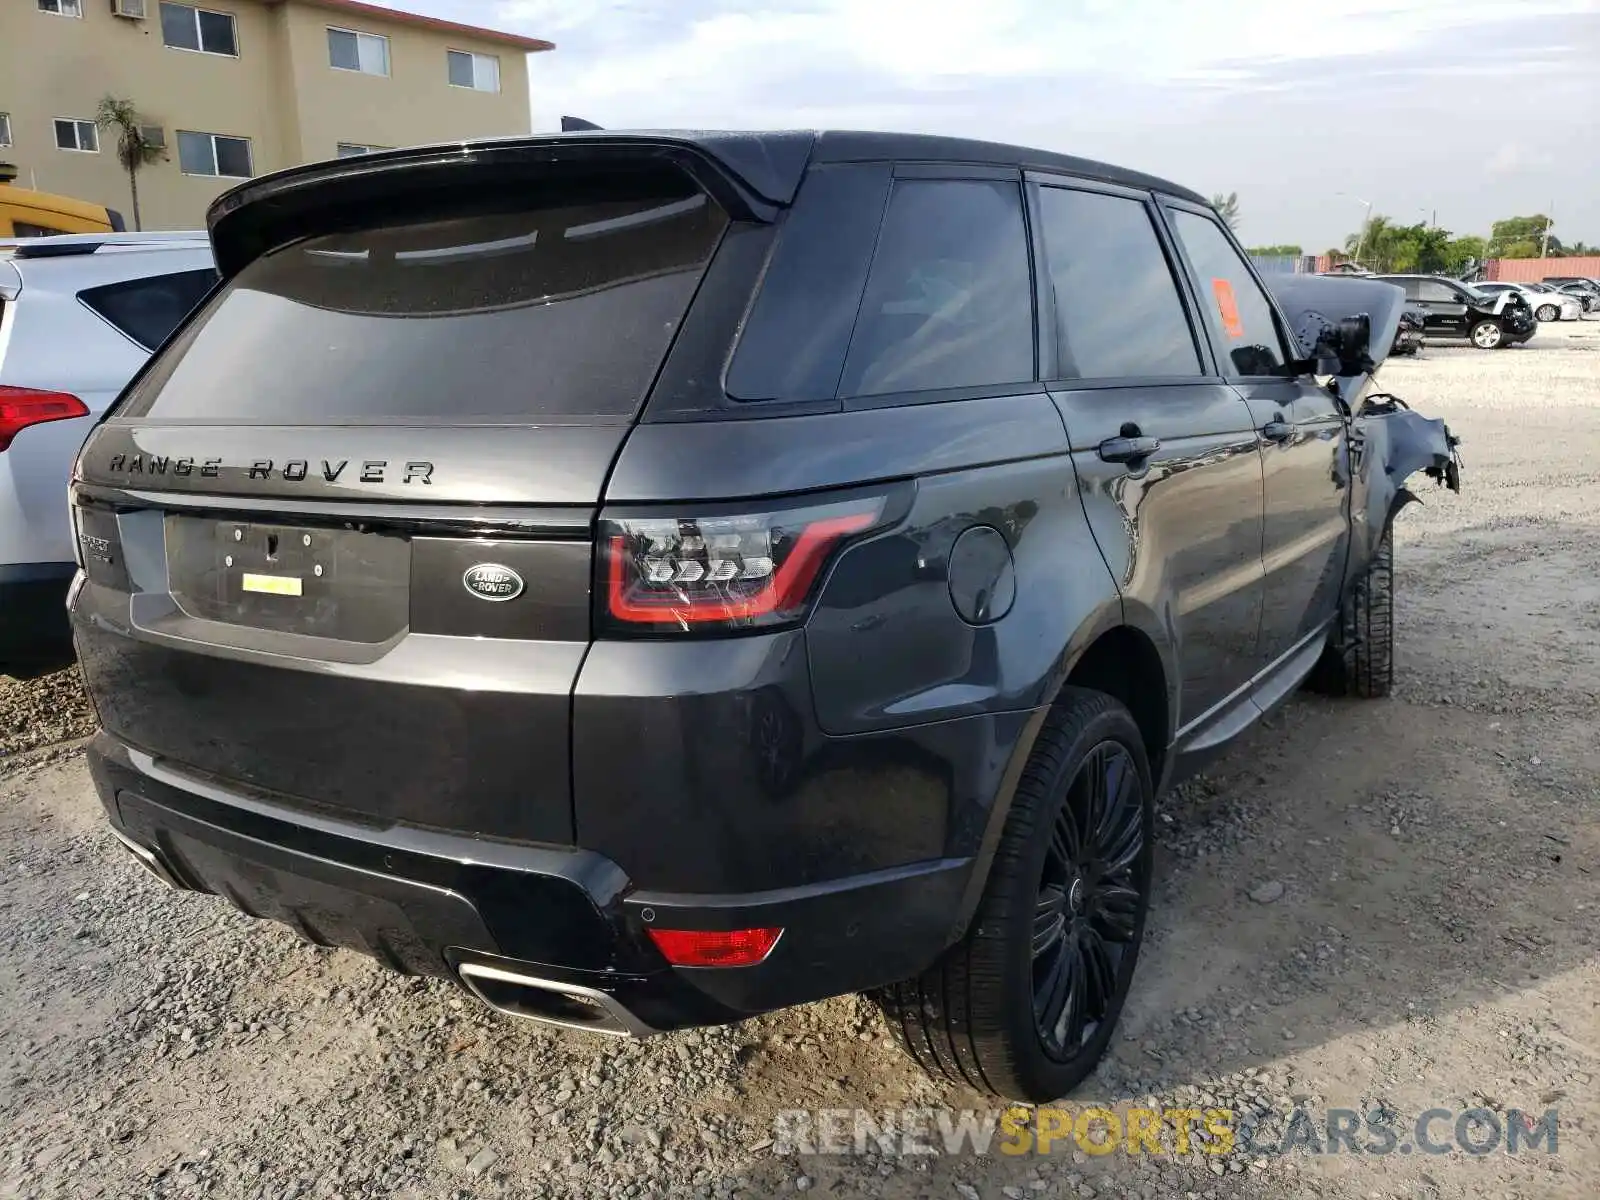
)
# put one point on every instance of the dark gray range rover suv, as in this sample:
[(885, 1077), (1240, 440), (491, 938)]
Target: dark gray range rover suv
[(655, 579)]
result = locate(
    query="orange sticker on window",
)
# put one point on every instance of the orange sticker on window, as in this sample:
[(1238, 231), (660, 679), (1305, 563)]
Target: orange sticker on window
[(1228, 307)]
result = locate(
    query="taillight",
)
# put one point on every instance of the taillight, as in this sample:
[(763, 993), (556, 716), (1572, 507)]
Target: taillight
[(21, 407), (752, 570), (715, 947)]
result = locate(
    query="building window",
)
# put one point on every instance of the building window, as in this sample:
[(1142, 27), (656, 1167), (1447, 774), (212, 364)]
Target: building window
[(5, 129), (480, 72), (356, 149), (364, 52), (187, 28), (77, 135), (62, 8), (214, 154)]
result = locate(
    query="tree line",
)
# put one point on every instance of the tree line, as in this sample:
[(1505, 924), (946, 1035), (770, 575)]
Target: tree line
[(1384, 245)]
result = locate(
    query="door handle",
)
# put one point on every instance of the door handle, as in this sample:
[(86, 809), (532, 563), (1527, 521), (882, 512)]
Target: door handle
[(1277, 429), (1128, 449)]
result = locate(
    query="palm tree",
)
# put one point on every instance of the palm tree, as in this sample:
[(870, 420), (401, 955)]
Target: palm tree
[(133, 152), (1374, 244), (1227, 208)]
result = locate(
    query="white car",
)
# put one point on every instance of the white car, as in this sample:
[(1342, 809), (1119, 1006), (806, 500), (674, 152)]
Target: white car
[(1547, 304), (79, 315)]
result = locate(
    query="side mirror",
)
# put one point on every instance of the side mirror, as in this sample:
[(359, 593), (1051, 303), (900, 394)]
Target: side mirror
[(1354, 344)]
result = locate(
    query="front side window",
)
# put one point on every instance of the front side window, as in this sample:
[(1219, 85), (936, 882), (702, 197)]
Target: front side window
[(5, 129), (149, 309), (78, 135), (364, 52), (62, 8), (1118, 314), (948, 301), (1239, 312), (186, 28), (478, 71), (1440, 293), (214, 154)]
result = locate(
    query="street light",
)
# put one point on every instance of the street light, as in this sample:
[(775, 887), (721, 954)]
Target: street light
[(1361, 240)]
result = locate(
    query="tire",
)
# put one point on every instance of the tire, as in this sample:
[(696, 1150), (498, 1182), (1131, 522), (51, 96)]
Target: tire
[(1061, 916), (1487, 335), (1547, 312), (1359, 659)]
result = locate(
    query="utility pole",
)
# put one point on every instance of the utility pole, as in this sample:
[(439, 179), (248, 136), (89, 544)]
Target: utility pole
[(1544, 243)]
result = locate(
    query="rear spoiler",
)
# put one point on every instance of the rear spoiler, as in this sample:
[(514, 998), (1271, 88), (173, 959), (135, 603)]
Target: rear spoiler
[(752, 176)]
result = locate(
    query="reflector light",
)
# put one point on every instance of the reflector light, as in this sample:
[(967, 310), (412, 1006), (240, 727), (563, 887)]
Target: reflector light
[(21, 407), (715, 947), (675, 574)]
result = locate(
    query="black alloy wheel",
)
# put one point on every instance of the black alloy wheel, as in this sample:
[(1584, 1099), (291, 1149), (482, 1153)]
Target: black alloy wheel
[(1089, 899), (1025, 1004)]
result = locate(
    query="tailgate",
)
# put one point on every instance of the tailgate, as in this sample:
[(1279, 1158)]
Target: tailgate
[(339, 534)]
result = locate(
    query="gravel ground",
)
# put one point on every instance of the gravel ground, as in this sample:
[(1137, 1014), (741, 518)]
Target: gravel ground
[(1369, 905)]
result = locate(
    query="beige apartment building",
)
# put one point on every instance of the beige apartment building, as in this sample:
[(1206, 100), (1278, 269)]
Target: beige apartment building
[(234, 88)]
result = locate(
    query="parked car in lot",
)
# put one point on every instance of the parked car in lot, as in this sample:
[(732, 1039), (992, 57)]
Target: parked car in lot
[(1547, 305), (654, 579), (25, 213), (78, 316), (1459, 310), (1586, 290)]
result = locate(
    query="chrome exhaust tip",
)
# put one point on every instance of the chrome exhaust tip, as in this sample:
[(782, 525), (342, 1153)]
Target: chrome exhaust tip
[(567, 1005), (148, 860)]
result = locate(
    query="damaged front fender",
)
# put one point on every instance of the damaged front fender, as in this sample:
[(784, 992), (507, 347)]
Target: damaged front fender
[(1388, 442)]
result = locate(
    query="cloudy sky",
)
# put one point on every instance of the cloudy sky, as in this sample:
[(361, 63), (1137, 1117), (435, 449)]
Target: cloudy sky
[(1477, 109)]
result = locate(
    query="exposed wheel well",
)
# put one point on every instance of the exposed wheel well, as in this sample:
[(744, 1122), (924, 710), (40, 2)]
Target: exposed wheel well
[(1123, 663)]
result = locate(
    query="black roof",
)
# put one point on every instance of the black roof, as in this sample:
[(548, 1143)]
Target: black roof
[(753, 173)]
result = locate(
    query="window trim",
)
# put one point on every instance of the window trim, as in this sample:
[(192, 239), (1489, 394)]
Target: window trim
[(75, 121), (499, 75), (233, 21), (358, 34), (60, 10), (217, 174), (1288, 347), (1205, 360)]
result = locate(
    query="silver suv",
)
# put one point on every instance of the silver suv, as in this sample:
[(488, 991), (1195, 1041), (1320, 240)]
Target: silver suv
[(79, 315)]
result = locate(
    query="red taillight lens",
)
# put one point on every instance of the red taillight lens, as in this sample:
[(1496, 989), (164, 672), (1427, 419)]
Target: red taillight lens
[(678, 574), (715, 947), (21, 407)]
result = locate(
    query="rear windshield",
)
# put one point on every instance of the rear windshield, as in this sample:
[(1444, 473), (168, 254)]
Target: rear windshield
[(561, 310)]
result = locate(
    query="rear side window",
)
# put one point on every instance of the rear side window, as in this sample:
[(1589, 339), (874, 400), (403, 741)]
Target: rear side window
[(149, 309), (794, 343), (1118, 314), (948, 301), (559, 310), (1241, 316)]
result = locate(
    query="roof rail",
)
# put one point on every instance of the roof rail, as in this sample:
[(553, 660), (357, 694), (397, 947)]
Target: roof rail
[(65, 244)]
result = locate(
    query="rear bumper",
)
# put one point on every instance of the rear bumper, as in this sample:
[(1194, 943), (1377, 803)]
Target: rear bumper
[(568, 921)]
